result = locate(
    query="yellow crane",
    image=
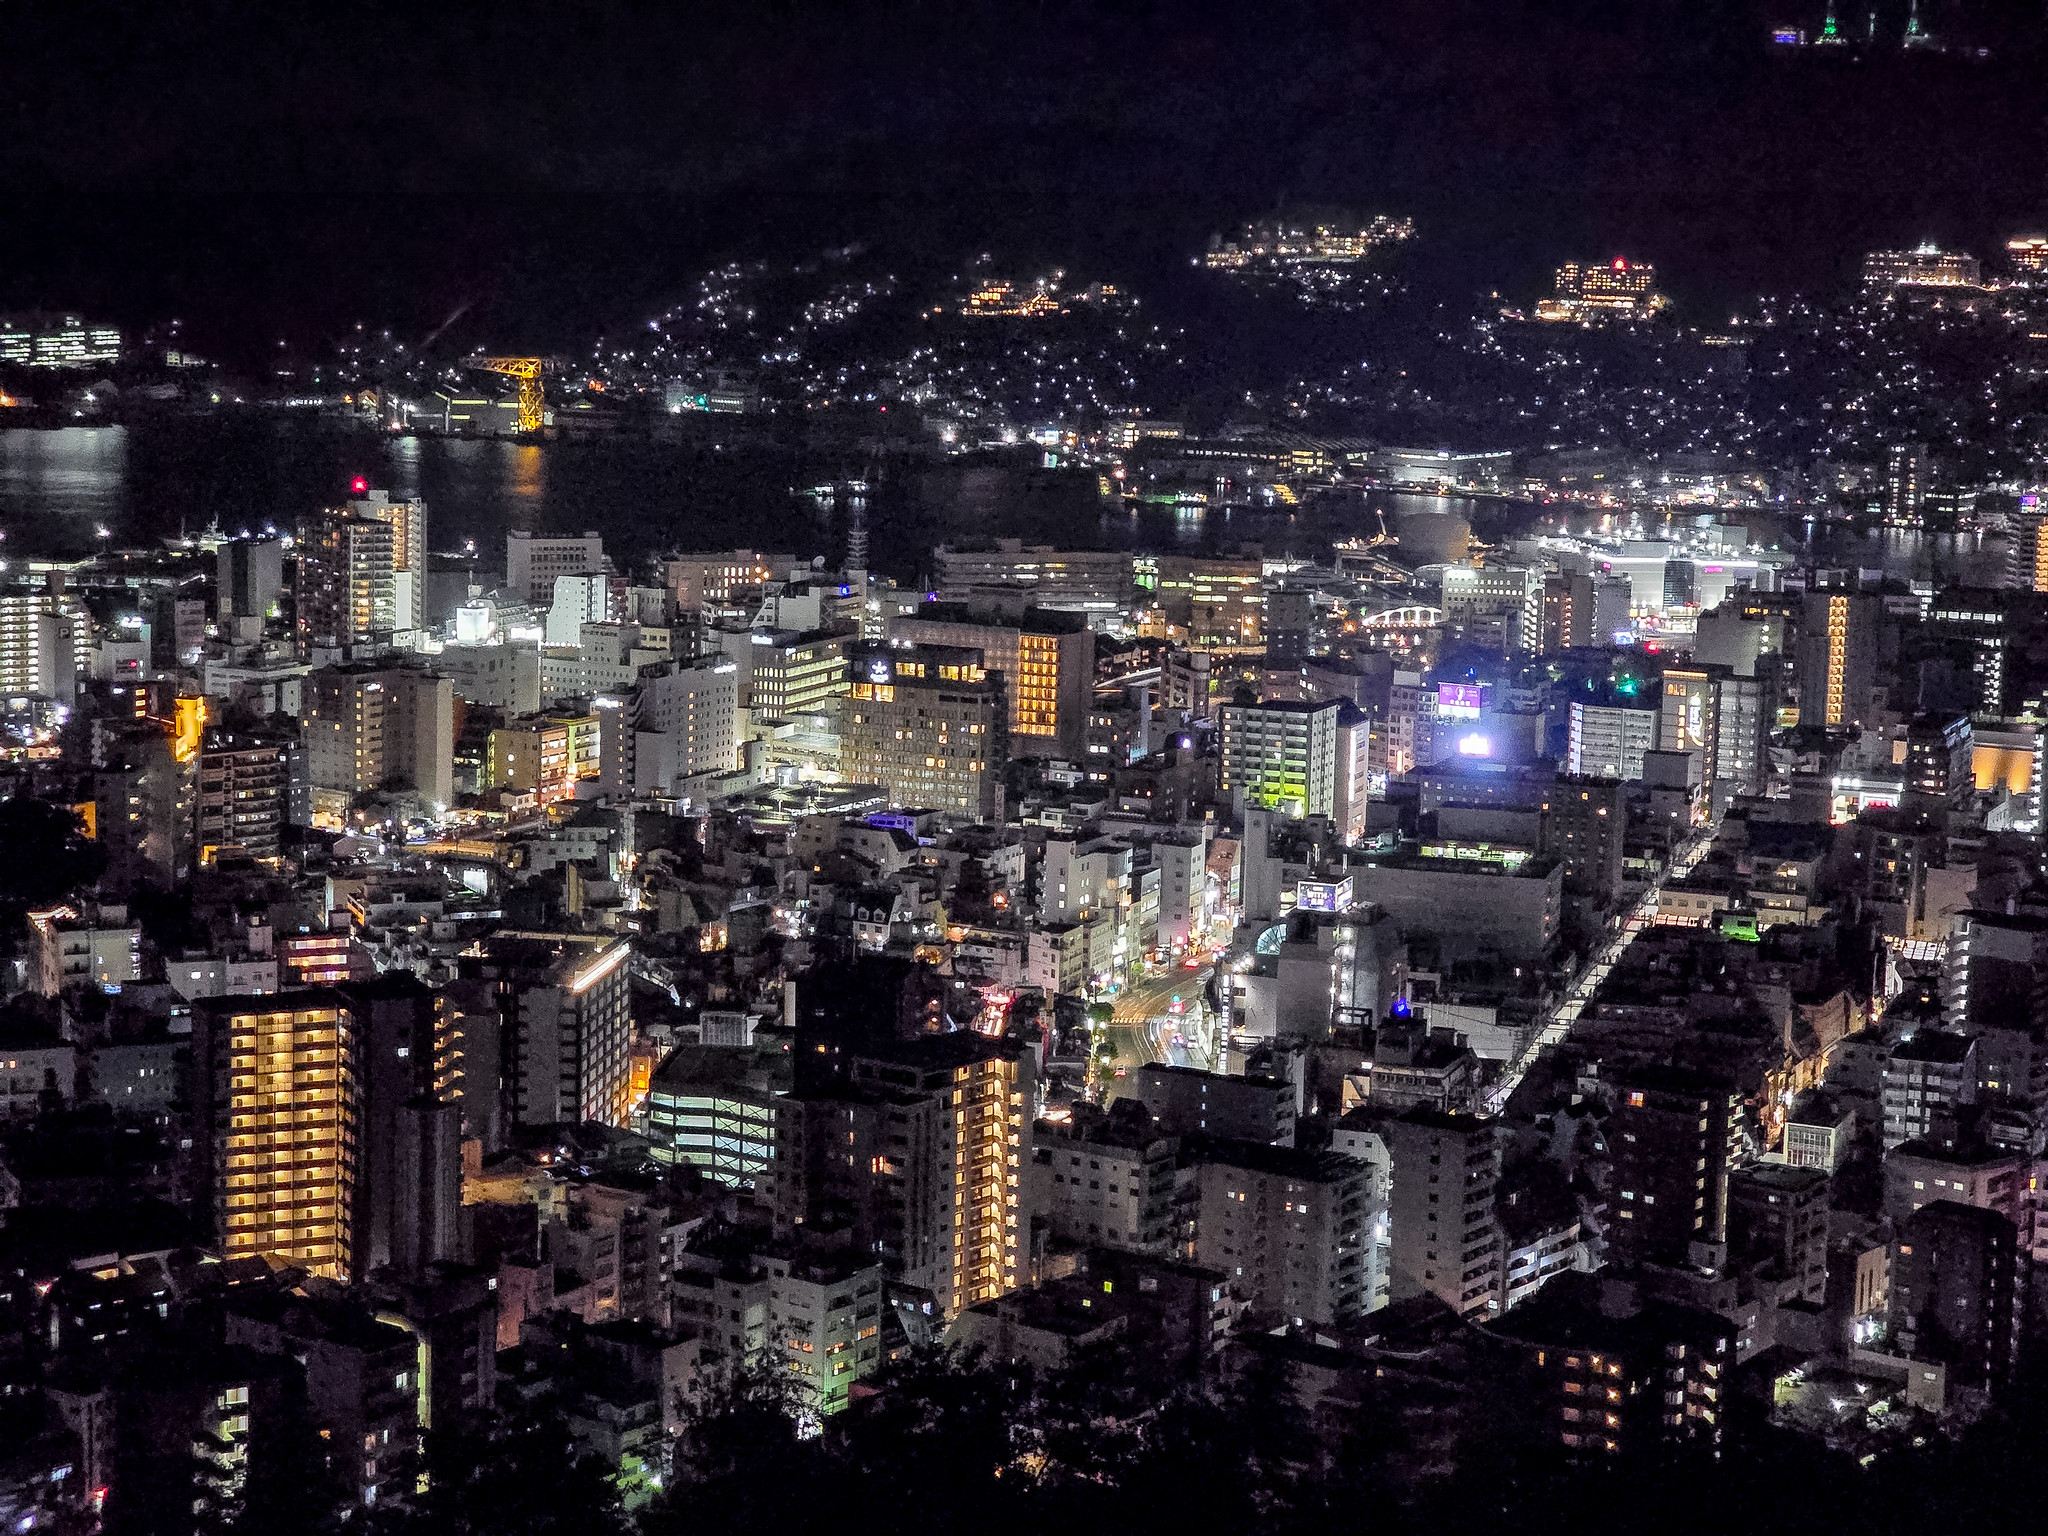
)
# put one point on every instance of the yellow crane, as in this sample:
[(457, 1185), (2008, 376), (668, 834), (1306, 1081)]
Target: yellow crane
[(527, 370)]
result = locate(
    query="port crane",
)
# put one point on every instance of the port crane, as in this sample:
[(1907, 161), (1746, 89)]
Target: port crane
[(527, 370)]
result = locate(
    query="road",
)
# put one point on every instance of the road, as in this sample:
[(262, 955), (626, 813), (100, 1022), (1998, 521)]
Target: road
[(1143, 1026), (1596, 971)]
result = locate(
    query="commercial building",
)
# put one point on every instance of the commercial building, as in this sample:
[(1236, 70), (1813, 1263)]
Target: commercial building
[(713, 1107), (676, 726), (1045, 660), (792, 674), (497, 676), (1280, 755), (1444, 1236), (930, 724), (249, 578), (369, 727), (532, 564), (57, 341), (1501, 605), (1502, 904), (1288, 1230), (1588, 290), (1217, 605), (1086, 579), (1926, 267), (543, 755)]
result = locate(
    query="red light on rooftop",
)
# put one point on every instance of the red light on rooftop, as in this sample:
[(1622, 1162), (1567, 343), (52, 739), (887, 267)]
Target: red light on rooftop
[(360, 484), (1620, 265)]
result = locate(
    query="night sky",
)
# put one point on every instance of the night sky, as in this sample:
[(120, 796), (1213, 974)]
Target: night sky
[(267, 171)]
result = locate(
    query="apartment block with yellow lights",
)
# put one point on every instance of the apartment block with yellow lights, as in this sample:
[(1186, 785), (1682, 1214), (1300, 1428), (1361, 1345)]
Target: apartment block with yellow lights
[(1046, 661), (274, 1127), (1838, 642), (908, 1134)]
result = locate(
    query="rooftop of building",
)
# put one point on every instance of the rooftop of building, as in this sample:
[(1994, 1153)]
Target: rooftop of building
[(1937, 1047), (1277, 1162), (1780, 1178)]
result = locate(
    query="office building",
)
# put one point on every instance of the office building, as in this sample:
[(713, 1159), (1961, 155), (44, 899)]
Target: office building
[(1288, 1230), (1290, 628), (1926, 267), (533, 563), (1905, 485), (496, 676), (792, 674), (37, 340), (274, 1131), (1280, 755), (1092, 580), (372, 728), (713, 1107), (703, 583), (564, 1006), (1496, 903), (1210, 605), (1954, 1286), (929, 724), (1445, 1239), (1608, 740), (1498, 605), (1837, 659), (1045, 660), (240, 797), (1672, 1138), (676, 726), (249, 578)]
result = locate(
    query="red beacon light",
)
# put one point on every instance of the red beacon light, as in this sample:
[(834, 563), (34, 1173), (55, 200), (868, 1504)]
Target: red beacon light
[(359, 485)]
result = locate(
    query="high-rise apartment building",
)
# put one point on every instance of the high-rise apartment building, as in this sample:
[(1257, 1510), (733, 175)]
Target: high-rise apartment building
[(1672, 1137), (929, 724), (1837, 658), (407, 521), (1954, 1282), (370, 728), (1280, 755), (1289, 1230), (1046, 662), (1567, 620), (907, 1135), (347, 588), (1689, 717), (40, 645), (1444, 1237), (241, 796), (1609, 740), (532, 564), (564, 1002), (1905, 485), (144, 781), (275, 1138)]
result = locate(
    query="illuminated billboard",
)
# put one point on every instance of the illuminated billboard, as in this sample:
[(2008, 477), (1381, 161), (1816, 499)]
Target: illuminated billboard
[(1323, 895), (1475, 745), (1458, 701)]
